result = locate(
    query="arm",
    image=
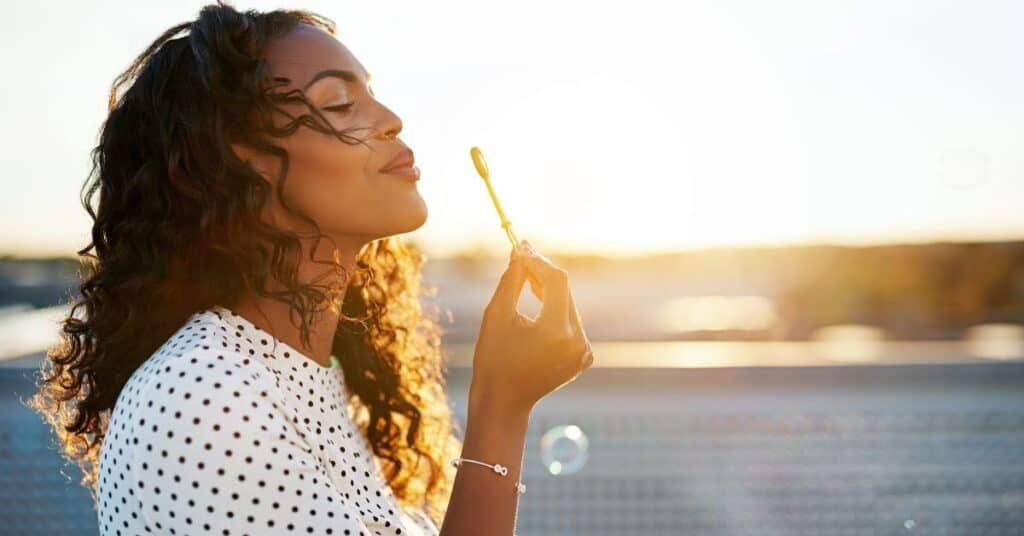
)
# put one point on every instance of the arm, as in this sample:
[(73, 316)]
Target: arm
[(517, 360), (482, 501)]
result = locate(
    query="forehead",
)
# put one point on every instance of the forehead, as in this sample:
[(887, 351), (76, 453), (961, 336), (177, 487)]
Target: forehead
[(307, 51)]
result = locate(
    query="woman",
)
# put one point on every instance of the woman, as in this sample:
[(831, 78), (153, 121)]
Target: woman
[(249, 182)]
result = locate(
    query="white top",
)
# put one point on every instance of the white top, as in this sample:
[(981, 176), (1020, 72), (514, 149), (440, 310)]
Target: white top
[(227, 430)]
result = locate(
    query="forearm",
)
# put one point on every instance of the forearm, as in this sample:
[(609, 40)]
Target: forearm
[(482, 501)]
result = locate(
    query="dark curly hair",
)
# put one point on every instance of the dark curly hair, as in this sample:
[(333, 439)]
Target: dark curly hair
[(176, 230)]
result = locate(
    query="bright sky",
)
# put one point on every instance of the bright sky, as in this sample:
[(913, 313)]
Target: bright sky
[(621, 127)]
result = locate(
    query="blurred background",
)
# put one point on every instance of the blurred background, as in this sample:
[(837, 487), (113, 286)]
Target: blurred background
[(793, 231)]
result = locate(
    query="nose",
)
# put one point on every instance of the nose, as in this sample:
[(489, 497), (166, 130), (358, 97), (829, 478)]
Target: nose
[(392, 125)]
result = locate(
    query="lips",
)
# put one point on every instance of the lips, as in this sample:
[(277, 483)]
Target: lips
[(403, 159)]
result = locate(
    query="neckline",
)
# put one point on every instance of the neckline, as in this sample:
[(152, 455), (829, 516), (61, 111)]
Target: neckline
[(277, 350)]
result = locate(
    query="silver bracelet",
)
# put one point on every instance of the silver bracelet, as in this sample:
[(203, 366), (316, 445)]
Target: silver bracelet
[(497, 468)]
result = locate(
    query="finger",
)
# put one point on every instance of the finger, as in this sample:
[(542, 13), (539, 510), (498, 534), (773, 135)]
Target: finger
[(535, 286), (521, 319), (574, 318), (510, 286), (587, 354), (525, 248), (554, 307)]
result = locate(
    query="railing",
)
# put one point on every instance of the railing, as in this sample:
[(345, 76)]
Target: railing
[(855, 449)]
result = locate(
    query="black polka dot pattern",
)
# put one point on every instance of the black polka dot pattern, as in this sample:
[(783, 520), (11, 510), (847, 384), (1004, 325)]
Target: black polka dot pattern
[(227, 430)]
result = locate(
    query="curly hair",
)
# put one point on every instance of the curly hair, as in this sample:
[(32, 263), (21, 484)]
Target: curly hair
[(176, 230)]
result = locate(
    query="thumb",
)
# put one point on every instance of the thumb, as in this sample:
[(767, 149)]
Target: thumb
[(510, 286)]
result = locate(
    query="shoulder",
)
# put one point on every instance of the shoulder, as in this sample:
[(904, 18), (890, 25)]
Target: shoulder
[(196, 345), (203, 381), (211, 440)]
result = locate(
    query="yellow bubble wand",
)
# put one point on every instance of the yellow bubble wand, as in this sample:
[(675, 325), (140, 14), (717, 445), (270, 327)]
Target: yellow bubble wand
[(481, 168)]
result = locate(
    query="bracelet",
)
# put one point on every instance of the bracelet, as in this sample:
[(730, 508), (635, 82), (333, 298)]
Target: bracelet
[(498, 468)]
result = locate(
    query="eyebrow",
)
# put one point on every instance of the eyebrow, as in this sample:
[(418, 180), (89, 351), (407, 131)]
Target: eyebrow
[(344, 74)]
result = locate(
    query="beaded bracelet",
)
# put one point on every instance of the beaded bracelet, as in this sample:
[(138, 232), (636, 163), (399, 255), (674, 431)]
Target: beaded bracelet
[(497, 468)]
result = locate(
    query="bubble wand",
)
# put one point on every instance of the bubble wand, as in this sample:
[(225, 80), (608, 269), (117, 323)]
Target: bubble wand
[(481, 168)]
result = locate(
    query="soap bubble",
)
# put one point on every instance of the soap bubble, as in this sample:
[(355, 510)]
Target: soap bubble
[(563, 449)]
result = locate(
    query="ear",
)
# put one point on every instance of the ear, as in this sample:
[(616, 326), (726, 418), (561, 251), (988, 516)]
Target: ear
[(258, 161)]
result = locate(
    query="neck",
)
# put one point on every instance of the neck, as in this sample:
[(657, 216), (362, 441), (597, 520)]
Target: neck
[(272, 315)]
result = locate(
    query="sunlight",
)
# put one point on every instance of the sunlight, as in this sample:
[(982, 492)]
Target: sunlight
[(716, 313)]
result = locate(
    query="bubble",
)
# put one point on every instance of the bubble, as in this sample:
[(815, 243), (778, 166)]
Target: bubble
[(564, 449), (909, 524)]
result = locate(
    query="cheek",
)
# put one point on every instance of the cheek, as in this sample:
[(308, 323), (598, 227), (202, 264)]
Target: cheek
[(325, 160), (328, 178)]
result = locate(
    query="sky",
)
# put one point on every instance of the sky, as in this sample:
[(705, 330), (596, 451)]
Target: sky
[(609, 127)]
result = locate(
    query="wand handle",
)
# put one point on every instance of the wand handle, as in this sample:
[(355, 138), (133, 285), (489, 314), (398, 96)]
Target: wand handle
[(481, 168)]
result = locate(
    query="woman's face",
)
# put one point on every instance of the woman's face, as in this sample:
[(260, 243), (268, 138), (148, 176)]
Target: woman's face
[(339, 184)]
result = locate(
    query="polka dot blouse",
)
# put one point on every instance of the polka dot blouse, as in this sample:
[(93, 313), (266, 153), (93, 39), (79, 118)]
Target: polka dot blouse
[(227, 430)]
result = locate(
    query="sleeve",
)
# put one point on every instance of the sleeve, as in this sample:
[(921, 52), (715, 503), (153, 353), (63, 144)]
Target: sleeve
[(217, 454), (424, 522)]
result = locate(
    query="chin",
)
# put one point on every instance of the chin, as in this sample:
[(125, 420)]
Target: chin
[(411, 219)]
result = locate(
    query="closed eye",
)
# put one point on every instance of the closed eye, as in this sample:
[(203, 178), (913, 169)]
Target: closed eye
[(340, 108)]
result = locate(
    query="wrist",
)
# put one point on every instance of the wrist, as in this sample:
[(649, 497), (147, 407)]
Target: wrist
[(491, 408), (492, 430)]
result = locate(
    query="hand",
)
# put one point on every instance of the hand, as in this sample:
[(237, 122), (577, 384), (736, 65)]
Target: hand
[(519, 360)]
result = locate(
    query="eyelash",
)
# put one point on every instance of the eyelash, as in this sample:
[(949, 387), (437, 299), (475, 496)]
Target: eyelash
[(341, 108)]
